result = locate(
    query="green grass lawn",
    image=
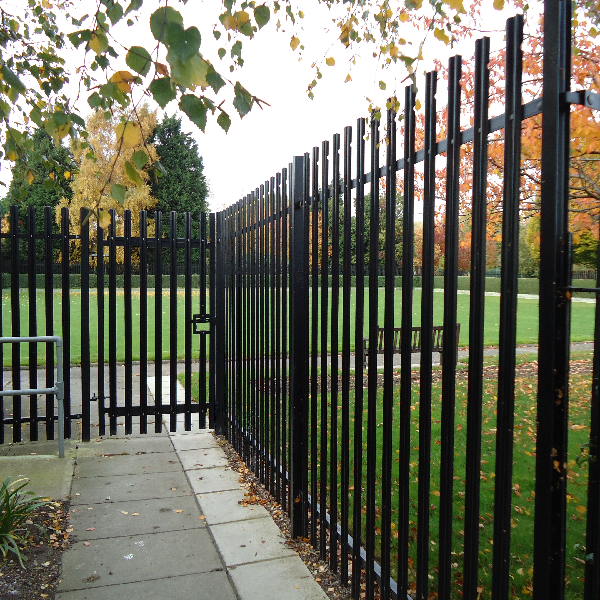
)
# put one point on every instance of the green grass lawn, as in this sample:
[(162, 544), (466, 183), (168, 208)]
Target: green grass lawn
[(527, 321), (582, 323), (75, 308), (522, 510), (521, 567)]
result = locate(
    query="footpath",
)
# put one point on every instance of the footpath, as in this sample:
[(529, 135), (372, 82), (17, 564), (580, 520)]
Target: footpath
[(159, 516)]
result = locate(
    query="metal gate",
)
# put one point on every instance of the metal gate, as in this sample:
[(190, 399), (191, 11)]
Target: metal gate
[(105, 292)]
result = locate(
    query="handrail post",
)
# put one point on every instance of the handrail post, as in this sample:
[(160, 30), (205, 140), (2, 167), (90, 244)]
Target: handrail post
[(58, 390), (60, 396)]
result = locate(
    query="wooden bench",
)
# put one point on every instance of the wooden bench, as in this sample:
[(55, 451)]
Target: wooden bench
[(415, 343)]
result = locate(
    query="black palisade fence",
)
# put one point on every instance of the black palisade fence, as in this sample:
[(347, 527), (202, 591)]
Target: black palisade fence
[(103, 315), (413, 481)]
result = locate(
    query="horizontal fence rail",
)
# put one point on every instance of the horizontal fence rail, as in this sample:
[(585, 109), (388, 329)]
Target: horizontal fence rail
[(114, 317), (426, 482)]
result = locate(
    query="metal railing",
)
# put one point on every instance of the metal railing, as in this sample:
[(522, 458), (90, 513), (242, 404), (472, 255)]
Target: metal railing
[(58, 389), (380, 469)]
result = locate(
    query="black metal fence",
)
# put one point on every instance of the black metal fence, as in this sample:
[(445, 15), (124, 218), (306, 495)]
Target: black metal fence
[(106, 325), (426, 482)]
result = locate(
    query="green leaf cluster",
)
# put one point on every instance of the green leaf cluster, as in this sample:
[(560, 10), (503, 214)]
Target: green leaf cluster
[(15, 508)]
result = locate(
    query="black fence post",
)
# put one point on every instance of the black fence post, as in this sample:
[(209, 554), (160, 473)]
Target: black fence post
[(553, 357), (299, 349), (85, 325), (218, 326)]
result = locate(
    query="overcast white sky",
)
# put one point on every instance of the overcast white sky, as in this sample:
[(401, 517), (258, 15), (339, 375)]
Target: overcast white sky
[(265, 141)]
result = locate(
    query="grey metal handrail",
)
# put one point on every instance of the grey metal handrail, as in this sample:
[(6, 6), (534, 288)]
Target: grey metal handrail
[(58, 390)]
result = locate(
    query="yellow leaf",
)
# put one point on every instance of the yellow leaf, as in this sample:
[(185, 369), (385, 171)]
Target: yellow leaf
[(11, 155), (581, 509), (98, 43), (199, 71), (441, 35), (345, 28), (178, 511), (403, 17), (104, 222), (67, 174), (417, 105), (294, 43), (456, 5), (130, 133), (330, 61), (123, 79), (242, 18), (435, 493), (498, 4), (230, 22), (348, 78), (394, 51), (51, 175), (30, 176)]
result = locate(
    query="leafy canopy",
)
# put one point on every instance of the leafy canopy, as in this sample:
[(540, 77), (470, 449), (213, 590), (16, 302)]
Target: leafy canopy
[(50, 45)]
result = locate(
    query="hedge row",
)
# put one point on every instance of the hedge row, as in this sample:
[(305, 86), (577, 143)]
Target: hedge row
[(75, 281), (492, 284)]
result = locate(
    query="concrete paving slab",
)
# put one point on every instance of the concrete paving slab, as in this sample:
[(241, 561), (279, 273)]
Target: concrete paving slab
[(203, 586), (216, 479), (119, 464), (46, 448), (243, 542), (194, 442), (49, 476), (116, 519), (182, 432), (206, 457), (92, 490), (130, 445), (275, 579), (224, 507), (135, 421), (137, 558)]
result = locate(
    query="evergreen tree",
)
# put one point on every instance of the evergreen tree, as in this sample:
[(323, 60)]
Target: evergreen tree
[(184, 188), (29, 185), (41, 177)]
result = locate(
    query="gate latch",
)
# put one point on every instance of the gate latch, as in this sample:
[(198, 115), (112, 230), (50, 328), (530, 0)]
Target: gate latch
[(199, 320)]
